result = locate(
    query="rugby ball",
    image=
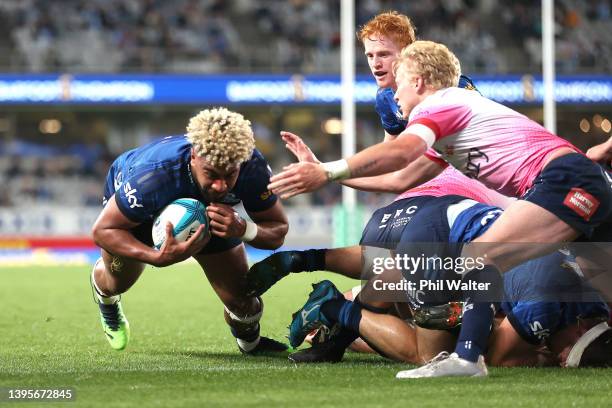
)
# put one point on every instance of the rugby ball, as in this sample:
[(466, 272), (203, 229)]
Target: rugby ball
[(185, 215)]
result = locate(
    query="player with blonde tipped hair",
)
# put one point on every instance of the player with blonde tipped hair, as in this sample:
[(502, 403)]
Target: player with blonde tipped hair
[(224, 138), (216, 163)]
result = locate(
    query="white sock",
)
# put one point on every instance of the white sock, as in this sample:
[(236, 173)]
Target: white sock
[(102, 297), (248, 345)]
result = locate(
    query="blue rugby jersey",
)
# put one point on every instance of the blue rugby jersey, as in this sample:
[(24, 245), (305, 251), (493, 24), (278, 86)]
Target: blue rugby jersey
[(149, 177), (545, 295)]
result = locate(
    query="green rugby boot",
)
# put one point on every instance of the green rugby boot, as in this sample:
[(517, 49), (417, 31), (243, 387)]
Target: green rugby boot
[(115, 325)]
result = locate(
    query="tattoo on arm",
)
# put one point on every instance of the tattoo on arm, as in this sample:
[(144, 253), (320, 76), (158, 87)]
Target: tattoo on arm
[(359, 171)]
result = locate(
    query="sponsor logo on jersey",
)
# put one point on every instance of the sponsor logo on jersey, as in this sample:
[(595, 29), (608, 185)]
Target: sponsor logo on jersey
[(265, 195), (581, 202), (129, 194), (472, 168), (489, 216), (538, 330), (118, 180), (398, 219)]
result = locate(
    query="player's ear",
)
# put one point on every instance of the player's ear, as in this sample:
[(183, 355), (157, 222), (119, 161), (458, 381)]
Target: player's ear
[(419, 84)]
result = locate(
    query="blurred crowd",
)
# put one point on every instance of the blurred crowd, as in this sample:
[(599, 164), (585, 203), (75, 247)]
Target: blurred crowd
[(205, 36), (283, 35), (37, 174)]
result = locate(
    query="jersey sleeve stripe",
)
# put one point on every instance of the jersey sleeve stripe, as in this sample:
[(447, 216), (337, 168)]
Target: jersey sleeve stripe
[(429, 123), (423, 131)]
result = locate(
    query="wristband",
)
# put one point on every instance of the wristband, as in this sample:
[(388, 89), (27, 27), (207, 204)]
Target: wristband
[(250, 232), (337, 170)]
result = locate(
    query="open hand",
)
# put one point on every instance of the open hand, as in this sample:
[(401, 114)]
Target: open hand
[(298, 178)]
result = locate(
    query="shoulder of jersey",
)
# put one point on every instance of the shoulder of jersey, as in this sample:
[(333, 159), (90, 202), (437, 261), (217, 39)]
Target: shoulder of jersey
[(466, 82), (384, 93)]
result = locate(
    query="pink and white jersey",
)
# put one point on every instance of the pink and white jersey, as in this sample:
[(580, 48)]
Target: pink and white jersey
[(484, 139), (452, 182)]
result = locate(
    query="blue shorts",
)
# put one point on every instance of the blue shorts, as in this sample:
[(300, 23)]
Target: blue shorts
[(428, 236), (535, 297), (387, 224), (579, 192)]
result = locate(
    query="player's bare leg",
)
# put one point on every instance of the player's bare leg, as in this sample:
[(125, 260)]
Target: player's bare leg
[(433, 342), (366, 317), (111, 276), (345, 261), (510, 240), (226, 272), (390, 336), (115, 275)]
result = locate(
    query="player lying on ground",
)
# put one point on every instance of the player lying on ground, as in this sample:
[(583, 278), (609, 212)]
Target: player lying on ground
[(440, 221), (217, 164), (532, 327), (390, 335)]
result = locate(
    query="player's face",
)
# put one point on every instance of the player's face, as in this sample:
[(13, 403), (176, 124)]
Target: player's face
[(214, 182), (381, 53), (409, 90)]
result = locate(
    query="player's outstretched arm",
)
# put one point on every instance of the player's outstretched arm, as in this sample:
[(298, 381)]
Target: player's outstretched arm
[(416, 173), (111, 232), (382, 158)]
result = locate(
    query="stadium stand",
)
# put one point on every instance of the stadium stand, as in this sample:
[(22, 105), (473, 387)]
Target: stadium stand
[(211, 36), (303, 36)]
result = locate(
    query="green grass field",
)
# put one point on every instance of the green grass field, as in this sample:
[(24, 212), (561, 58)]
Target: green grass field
[(181, 353)]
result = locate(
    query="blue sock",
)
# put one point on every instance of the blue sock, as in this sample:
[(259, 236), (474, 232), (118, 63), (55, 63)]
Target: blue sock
[(344, 312), (348, 315), (479, 312), (314, 259), (307, 261), (248, 335), (475, 329)]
